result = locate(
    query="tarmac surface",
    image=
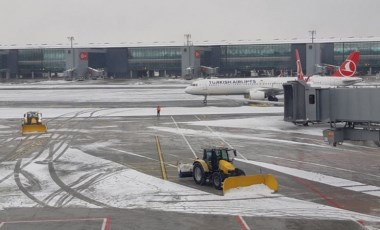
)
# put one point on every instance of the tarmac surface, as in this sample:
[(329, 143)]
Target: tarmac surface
[(134, 134)]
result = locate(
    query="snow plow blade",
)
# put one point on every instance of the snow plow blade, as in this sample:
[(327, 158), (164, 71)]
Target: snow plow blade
[(243, 181), (28, 129), (185, 170)]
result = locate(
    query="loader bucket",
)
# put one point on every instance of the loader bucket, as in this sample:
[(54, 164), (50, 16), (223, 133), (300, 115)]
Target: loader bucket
[(243, 181), (28, 129)]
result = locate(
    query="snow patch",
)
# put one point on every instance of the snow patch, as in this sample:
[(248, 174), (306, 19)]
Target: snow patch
[(257, 190), (267, 123), (97, 145), (199, 133), (6, 113)]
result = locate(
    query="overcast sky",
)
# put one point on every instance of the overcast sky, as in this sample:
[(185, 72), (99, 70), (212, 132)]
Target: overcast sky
[(147, 21)]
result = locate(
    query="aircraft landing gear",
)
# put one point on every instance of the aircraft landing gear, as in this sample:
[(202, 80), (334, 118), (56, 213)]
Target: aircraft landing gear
[(205, 100), (272, 98)]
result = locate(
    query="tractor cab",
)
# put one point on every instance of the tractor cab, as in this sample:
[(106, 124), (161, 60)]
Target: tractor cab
[(32, 118), (214, 155), (32, 123)]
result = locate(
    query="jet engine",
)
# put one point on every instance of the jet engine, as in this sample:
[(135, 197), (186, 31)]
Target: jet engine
[(256, 95)]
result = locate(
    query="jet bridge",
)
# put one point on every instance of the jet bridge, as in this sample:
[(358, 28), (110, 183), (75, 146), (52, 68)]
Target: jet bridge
[(353, 113)]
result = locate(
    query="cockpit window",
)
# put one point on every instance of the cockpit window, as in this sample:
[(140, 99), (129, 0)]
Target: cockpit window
[(194, 84)]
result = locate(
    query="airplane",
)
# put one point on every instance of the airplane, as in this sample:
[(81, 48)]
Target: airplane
[(259, 89), (209, 70), (326, 68), (69, 74), (95, 73)]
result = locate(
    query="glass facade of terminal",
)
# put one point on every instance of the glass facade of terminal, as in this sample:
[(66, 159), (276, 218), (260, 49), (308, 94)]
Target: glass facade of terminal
[(54, 60), (3, 65), (255, 57), (155, 58), (38, 61), (3, 62), (232, 60)]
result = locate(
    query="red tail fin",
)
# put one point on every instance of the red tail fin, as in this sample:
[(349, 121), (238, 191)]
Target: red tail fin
[(300, 75), (348, 67)]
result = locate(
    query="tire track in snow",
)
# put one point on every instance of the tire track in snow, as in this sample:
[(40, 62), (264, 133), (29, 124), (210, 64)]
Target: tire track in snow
[(18, 167), (50, 136), (69, 188), (22, 188)]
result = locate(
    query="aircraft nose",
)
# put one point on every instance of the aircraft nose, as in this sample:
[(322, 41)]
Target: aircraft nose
[(188, 89)]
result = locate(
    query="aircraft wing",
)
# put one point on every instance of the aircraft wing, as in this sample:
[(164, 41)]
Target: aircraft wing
[(281, 103), (261, 102), (367, 84), (271, 91), (324, 65), (350, 81)]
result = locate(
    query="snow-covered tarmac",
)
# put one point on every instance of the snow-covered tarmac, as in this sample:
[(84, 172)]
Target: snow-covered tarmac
[(122, 187), (112, 184)]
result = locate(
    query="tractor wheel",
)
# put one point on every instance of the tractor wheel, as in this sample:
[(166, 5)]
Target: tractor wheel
[(217, 180), (199, 174), (239, 172)]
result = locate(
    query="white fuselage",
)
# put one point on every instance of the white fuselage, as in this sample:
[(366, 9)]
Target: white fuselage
[(271, 85), (231, 86)]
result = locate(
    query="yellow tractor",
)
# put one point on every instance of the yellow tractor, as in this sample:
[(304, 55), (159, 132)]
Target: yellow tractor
[(216, 168), (32, 123)]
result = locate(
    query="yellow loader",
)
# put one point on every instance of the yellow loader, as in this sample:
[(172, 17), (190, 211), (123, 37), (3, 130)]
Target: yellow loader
[(32, 123), (216, 168)]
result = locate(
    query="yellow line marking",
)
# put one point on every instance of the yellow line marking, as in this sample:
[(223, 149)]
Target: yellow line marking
[(163, 169)]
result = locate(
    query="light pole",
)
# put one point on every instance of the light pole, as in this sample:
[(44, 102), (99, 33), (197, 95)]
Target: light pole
[(188, 43), (313, 33), (71, 38)]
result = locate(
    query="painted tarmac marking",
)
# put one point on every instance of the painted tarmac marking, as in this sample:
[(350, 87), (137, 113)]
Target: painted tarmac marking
[(132, 154), (238, 136), (242, 223), (183, 135), (106, 224), (361, 223), (319, 193), (321, 165), (312, 176), (138, 155), (163, 169), (52, 220), (1, 224), (221, 138)]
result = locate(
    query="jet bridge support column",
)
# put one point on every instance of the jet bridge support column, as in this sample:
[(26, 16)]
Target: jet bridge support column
[(336, 136)]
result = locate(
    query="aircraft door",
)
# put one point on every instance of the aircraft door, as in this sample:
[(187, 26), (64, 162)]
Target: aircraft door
[(204, 86)]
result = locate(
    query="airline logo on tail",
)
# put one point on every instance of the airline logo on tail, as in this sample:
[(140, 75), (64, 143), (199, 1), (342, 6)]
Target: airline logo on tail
[(348, 67)]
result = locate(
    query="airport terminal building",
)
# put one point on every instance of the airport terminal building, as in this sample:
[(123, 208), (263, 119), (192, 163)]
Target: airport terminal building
[(229, 60)]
